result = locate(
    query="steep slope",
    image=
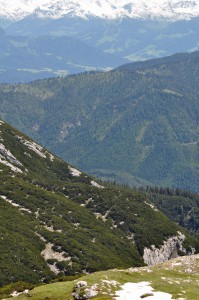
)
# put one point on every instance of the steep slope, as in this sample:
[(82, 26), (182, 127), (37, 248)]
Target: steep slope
[(179, 206), (140, 120), (57, 220), (40, 225)]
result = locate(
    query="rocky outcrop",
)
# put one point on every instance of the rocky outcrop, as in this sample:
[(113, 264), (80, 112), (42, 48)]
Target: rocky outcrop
[(8, 155), (83, 291), (169, 250)]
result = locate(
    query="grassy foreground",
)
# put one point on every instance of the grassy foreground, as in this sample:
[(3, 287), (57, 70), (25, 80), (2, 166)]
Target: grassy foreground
[(179, 277)]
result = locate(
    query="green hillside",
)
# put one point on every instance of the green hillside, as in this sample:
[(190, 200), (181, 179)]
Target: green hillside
[(179, 206), (55, 220), (140, 120)]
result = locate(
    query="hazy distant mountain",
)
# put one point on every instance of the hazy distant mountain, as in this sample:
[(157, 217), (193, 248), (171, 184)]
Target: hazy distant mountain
[(23, 58), (120, 30), (160, 9)]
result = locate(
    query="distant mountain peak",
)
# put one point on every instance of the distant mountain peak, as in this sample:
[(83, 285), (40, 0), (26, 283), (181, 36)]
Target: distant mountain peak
[(108, 9)]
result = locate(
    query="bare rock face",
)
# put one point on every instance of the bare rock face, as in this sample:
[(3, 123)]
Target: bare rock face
[(8, 155), (82, 291), (169, 250), (78, 292)]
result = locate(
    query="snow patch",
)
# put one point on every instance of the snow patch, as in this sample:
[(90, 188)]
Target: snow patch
[(105, 9), (32, 146), (10, 201), (151, 205), (139, 290), (74, 171), (6, 163), (25, 209), (16, 294), (51, 157), (21, 208), (8, 155), (95, 184)]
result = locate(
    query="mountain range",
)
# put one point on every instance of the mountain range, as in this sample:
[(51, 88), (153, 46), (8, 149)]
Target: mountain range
[(115, 32), (114, 9), (137, 125), (57, 221)]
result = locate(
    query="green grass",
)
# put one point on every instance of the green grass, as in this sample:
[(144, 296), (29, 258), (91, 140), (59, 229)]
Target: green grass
[(177, 283)]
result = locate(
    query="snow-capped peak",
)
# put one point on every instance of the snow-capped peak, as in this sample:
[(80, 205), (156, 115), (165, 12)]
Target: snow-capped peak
[(111, 9)]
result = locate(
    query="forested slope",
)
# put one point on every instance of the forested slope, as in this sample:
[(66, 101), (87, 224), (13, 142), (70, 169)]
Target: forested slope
[(55, 220), (140, 120)]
